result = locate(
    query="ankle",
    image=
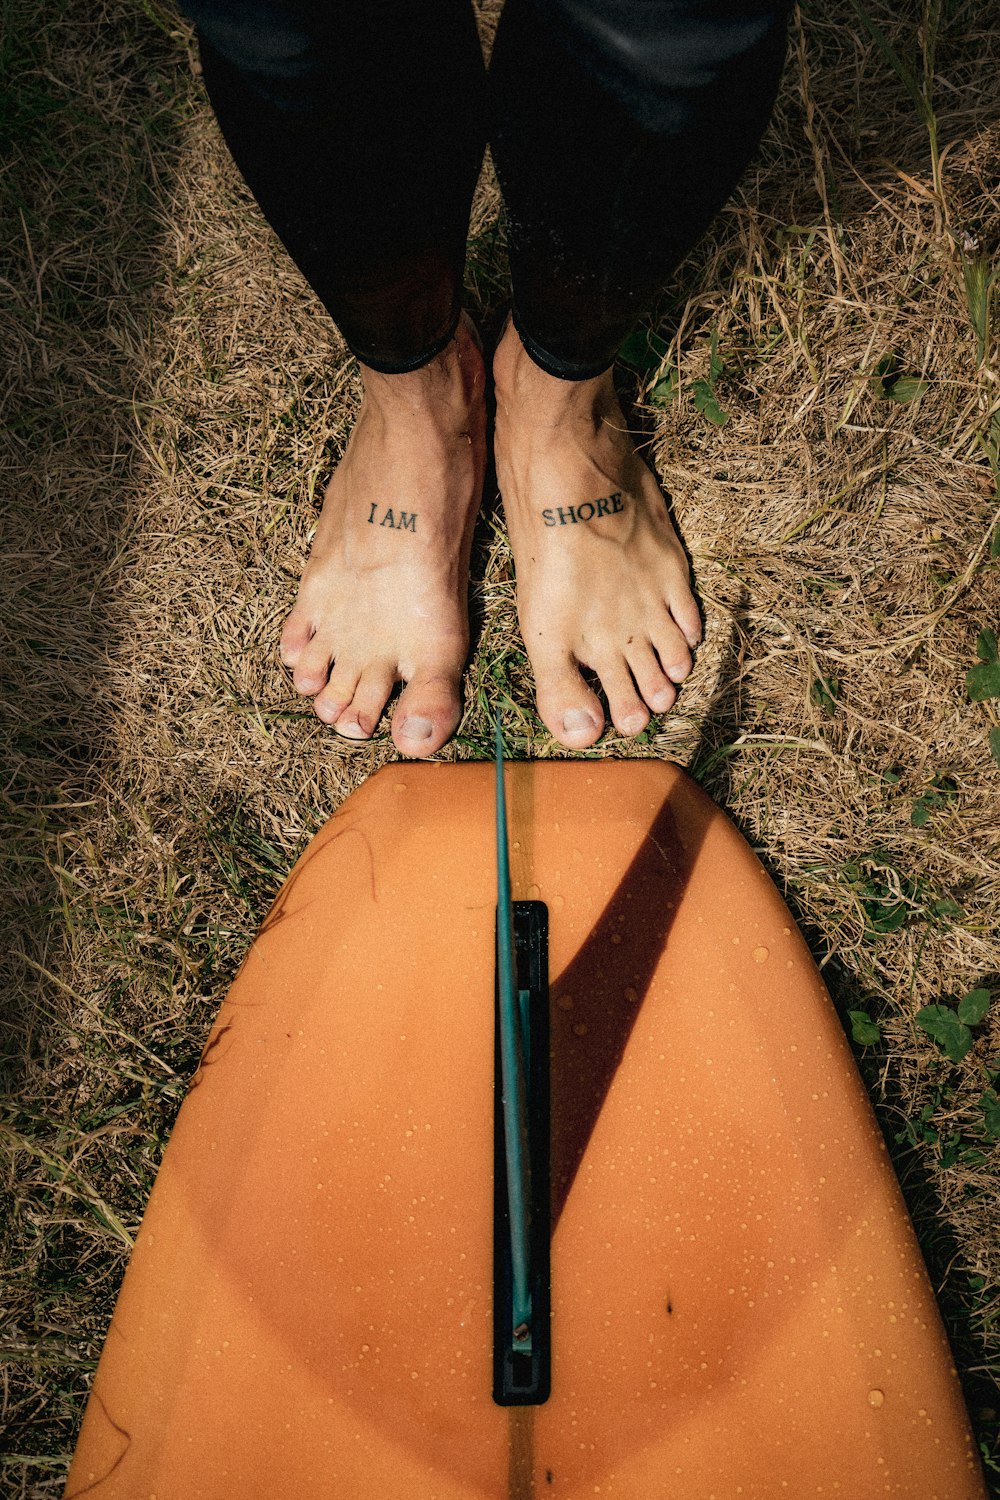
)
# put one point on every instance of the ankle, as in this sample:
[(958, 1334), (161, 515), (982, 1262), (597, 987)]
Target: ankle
[(453, 380), (523, 384)]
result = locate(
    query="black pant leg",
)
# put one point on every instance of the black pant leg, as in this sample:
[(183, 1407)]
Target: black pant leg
[(619, 129), (360, 130)]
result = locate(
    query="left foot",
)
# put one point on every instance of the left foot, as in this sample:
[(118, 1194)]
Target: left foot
[(602, 580)]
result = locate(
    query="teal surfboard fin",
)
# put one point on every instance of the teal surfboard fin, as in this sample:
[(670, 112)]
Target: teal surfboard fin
[(521, 1293), (514, 1054)]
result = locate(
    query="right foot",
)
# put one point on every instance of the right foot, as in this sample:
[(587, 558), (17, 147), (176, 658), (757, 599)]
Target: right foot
[(383, 596), (602, 579)]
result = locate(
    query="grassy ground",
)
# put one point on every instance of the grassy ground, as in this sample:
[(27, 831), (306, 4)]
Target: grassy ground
[(819, 392)]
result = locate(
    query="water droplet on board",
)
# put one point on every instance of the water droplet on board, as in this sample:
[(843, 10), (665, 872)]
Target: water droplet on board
[(760, 955), (534, 891), (580, 1029), (558, 902), (564, 1002), (875, 1398)]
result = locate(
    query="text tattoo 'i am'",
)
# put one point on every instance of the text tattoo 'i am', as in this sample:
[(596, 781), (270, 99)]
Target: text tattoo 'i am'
[(404, 520)]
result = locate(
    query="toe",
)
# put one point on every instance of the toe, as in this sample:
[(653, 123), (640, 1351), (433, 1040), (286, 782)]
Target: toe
[(426, 715), (338, 692), (568, 708), (653, 683), (296, 633), (686, 615), (313, 666), (362, 714), (672, 649), (628, 712)]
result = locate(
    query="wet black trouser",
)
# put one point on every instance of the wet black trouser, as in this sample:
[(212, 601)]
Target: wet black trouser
[(618, 128)]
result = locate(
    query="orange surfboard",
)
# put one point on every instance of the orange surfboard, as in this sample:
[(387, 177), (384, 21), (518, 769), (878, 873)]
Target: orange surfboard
[(738, 1303)]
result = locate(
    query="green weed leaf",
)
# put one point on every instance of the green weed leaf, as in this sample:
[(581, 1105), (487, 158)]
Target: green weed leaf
[(883, 917), (716, 363), (940, 791), (644, 351), (986, 645), (990, 1106), (889, 384), (979, 286), (973, 1006), (919, 1131), (952, 1035), (705, 402), (899, 67), (883, 858), (664, 390), (995, 744), (824, 693), (983, 681), (905, 388), (864, 1030)]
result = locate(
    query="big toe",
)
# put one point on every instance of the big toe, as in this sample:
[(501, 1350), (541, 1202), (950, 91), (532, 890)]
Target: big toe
[(568, 708), (426, 715)]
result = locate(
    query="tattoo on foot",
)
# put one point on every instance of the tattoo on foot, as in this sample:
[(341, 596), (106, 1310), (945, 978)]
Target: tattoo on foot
[(611, 505), (405, 520)]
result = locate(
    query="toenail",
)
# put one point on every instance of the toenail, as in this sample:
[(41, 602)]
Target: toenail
[(417, 728), (662, 700), (677, 674), (576, 719), (634, 723), (328, 712)]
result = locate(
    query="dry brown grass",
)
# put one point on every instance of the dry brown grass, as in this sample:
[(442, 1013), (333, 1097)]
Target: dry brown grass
[(173, 405)]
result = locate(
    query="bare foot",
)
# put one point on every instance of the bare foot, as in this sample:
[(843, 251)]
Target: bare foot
[(383, 596), (602, 580)]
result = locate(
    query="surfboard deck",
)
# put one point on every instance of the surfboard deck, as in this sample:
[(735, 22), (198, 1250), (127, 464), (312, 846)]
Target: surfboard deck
[(739, 1305)]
